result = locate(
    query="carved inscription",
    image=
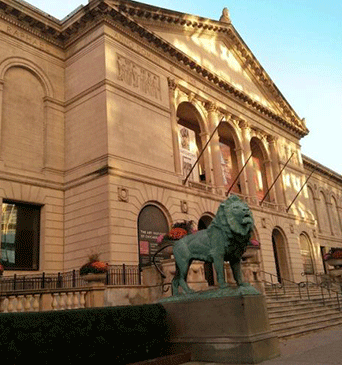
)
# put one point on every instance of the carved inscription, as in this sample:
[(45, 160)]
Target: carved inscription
[(26, 38), (138, 77)]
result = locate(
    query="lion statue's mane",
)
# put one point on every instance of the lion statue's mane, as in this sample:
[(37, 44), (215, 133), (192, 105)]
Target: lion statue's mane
[(225, 239)]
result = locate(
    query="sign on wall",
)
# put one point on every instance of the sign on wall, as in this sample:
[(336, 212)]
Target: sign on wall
[(151, 224)]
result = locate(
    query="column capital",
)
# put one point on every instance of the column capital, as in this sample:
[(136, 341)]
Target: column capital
[(211, 107), (243, 124), (172, 83), (271, 139)]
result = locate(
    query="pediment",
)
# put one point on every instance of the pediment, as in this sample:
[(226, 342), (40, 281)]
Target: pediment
[(216, 55), (212, 49), (216, 51)]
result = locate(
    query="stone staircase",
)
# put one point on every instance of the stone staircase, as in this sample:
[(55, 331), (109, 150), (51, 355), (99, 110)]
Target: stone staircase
[(292, 314)]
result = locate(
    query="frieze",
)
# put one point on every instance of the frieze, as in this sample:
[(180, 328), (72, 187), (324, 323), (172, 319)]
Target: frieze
[(138, 77), (135, 47), (25, 37)]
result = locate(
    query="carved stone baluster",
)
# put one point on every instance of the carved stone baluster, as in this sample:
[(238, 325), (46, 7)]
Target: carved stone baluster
[(20, 300), (62, 301), (69, 300), (27, 305), (76, 300), (2, 304), (82, 299), (35, 304), (10, 307), (55, 301)]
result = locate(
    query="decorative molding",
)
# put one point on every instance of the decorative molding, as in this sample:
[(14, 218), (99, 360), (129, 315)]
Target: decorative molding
[(124, 14), (211, 107), (263, 223), (172, 83), (184, 206), (138, 77), (123, 194)]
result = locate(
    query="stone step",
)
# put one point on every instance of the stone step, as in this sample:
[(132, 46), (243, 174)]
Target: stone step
[(294, 331), (291, 315), (293, 300), (291, 304), (289, 312), (302, 294), (299, 321)]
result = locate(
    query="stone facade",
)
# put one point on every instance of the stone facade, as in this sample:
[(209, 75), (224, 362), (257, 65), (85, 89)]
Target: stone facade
[(91, 110)]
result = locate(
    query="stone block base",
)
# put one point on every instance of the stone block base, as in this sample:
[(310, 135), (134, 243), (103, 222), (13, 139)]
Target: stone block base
[(231, 330)]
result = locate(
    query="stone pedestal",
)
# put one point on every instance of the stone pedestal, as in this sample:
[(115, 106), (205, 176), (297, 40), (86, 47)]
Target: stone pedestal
[(231, 330)]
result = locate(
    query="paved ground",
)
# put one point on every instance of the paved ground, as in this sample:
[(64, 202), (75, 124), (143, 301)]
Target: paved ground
[(322, 348)]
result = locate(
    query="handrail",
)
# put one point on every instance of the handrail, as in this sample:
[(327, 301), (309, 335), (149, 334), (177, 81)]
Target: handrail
[(303, 284)]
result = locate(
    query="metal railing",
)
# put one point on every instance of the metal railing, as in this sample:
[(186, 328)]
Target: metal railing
[(307, 290), (116, 275)]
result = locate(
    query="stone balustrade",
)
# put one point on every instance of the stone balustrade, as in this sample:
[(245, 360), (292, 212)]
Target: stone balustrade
[(51, 300)]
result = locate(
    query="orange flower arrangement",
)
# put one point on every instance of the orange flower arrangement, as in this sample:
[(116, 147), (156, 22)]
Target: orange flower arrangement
[(178, 230), (94, 266)]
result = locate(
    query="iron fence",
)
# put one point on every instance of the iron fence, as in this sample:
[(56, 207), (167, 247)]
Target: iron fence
[(116, 275)]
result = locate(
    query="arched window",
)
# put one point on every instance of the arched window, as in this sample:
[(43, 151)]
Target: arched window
[(260, 172), (23, 120), (323, 214), (306, 253), (190, 142), (228, 157), (152, 222), (312, 204), (335, 218)]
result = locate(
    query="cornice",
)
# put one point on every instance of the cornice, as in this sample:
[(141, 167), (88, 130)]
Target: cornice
[(127, 15), (147, 14), (311, 164)]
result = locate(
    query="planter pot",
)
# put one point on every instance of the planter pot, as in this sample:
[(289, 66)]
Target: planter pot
[(334, 262), (95, 279), (250, 252)]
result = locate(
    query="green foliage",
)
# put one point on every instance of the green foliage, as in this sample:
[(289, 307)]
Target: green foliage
[(120, 335)]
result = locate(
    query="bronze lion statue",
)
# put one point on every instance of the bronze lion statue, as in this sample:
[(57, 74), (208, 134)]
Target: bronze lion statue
[(225, 239)]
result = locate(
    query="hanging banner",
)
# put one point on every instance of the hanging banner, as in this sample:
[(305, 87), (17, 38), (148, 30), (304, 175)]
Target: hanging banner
[(188, 152), (258, 178), (226, 164)]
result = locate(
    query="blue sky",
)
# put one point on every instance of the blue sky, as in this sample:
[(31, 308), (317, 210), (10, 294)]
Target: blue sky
[(298, 43)]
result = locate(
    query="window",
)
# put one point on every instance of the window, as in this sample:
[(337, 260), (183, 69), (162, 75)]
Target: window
[(20, 236)]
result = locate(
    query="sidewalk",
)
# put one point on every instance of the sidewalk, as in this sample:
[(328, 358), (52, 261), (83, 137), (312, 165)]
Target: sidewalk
[(321, 348)]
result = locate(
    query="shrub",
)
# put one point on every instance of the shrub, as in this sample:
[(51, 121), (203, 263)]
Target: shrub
[(119, 334)]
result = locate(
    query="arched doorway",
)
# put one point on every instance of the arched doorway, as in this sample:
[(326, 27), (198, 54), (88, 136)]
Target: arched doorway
[(191, 142), (152, 222), (203, 223), (280, 254)]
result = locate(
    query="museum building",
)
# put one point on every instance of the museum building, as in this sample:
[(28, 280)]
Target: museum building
[(124, 118)]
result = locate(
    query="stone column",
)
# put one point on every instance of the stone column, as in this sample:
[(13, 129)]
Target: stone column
[(174, 125), (243, 176), (278, 186), (213, 119), (246, 138)]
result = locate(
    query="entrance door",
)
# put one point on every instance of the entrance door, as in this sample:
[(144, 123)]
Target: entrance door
[(280, 255)]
